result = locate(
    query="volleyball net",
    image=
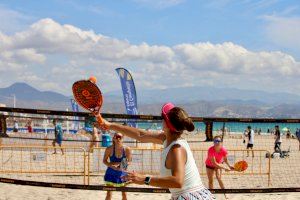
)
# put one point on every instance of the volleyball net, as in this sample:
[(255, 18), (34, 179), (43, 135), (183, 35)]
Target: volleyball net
[(26, 151)]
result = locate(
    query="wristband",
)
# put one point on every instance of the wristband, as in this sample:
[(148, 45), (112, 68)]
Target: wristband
[(147, 180)]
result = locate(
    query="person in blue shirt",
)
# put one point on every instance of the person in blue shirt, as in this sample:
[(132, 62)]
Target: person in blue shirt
[(117, 158), (58, 136)]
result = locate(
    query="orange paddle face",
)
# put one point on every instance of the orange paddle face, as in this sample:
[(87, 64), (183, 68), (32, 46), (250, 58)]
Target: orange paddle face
[(87, 95), (240, 166)]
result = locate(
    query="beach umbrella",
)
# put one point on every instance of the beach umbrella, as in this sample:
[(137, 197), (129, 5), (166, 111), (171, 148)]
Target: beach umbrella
[(285, 129)]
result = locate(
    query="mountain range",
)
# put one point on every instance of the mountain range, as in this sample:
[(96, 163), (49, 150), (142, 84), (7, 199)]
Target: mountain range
[(198, 101)]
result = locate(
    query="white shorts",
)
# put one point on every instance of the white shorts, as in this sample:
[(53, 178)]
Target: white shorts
[(201, 194)]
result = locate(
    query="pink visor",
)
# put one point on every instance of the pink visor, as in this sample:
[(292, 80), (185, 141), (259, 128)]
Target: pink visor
[(164, 112)]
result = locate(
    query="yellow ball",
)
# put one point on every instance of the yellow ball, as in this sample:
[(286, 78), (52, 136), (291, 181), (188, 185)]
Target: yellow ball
[(93, 79)]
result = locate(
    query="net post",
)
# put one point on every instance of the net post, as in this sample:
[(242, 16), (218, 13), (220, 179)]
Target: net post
[(88, 166), (84, 167), (151, 151), (21, 153), (269, 173)]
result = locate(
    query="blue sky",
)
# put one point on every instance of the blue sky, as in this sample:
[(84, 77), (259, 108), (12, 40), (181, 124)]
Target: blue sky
[(256, 25), (179, 21)]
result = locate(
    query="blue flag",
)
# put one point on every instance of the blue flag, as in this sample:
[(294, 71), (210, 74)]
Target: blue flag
[(75, 108), (129, 93)]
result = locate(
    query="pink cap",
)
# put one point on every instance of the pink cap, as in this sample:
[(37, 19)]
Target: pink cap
[(166, 108)]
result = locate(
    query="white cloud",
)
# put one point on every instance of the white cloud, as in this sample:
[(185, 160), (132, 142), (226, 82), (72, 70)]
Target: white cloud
[(52, 56), (235, 59), (284, 31)]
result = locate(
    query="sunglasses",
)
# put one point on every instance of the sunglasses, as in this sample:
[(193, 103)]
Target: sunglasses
[(217, 141), (119, 137)]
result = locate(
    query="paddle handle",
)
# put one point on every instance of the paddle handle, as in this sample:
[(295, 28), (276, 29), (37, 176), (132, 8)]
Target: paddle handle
[(101, 122)]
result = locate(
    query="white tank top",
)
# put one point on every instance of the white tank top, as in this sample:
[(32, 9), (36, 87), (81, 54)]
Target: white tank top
[(192, 180)]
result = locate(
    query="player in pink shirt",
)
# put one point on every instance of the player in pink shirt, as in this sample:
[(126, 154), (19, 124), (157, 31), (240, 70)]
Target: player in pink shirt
[(216, 155)]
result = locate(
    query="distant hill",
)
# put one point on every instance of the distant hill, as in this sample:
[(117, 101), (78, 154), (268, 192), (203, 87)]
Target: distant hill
[(29, 97), (25, 92), (198, 101), (225, 95)]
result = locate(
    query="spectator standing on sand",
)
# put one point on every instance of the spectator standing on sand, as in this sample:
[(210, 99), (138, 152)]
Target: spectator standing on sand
[(58, 136), (16, 126), (29, 127), (250, 140)]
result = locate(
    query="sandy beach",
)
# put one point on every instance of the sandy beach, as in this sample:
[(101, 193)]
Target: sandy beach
[(16, 192), (283, 172)]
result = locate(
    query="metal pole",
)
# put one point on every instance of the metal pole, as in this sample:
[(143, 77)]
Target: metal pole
[(14, 97)]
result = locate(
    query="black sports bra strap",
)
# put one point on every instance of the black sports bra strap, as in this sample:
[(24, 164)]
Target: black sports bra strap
[(124, 153)]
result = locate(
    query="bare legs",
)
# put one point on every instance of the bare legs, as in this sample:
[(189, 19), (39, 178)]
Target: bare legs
[(251, 151), (218, 176), (210, 176), (109, 195), (53, 144)]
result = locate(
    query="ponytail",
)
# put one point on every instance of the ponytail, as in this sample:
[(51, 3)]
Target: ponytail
[(180, 120)]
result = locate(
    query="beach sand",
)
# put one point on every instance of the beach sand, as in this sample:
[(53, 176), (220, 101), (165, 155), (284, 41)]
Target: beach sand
[(17, 192)]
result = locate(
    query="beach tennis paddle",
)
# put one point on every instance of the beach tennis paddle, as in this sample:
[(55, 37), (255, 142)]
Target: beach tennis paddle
[(88, 96), (240, 166)]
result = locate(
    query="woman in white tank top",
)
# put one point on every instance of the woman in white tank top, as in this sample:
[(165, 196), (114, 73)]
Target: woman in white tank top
[(178, 171)]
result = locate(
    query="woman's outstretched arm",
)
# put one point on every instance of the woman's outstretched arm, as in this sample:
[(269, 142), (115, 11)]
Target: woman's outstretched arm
[(135, 133)]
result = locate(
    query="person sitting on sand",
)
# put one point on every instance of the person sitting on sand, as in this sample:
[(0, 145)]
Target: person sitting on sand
[(277, 145), (114, 158), (288, 134), (215, 156), (178, 171), (58, 136)]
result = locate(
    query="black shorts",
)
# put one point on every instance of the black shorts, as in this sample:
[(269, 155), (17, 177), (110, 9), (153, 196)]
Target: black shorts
[(277, 144), (210, 167), (249, 146)]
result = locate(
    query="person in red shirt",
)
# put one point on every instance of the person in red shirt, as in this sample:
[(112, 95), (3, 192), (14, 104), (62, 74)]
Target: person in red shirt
[(216, 155), (29, 127)]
